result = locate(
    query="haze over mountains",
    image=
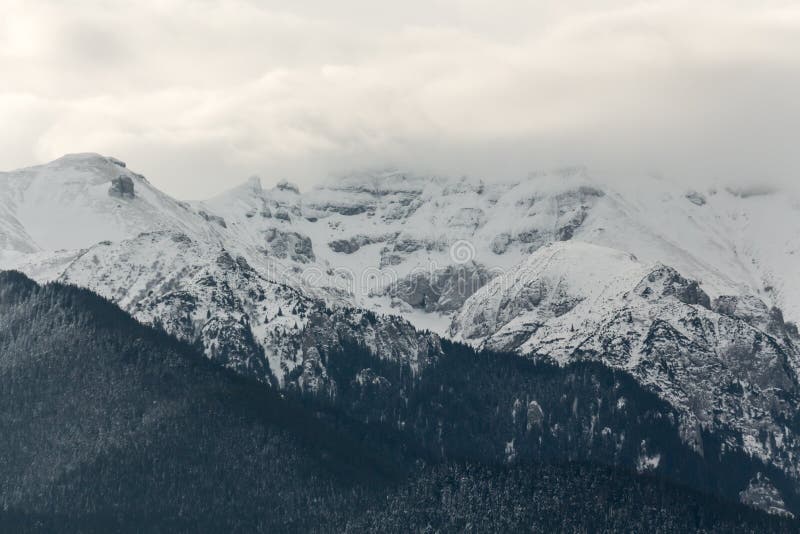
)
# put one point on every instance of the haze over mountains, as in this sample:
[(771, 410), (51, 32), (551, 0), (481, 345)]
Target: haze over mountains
[(693, 293)]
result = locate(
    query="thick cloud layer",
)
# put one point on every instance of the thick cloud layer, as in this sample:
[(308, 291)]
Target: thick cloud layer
[(200, 94)]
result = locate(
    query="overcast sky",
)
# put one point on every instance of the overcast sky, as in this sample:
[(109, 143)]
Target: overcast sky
[(198, 95)]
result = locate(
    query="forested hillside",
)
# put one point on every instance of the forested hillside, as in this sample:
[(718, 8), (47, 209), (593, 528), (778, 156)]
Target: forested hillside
[(502, 409), (107, 425)]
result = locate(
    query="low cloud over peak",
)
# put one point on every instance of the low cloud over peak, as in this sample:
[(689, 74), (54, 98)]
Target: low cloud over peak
[(202, 94)]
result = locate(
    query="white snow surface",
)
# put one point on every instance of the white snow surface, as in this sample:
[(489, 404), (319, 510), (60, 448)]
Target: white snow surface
[(65, 204)]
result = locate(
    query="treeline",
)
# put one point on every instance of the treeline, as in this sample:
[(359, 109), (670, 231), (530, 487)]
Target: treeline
[(553, 498)]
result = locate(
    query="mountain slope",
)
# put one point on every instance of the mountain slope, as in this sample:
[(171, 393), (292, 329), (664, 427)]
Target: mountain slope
[(113, 425), (81, 199), (107, 425), (733, 242), (729, 366), (270, 282), (260, 328), (357, 240)]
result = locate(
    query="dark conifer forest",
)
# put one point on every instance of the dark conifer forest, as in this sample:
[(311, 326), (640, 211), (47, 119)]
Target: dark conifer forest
[(107, 425)]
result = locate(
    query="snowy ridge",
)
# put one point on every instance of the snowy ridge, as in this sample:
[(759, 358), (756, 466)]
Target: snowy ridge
[(569, 283), (405, 225), (203, 294)]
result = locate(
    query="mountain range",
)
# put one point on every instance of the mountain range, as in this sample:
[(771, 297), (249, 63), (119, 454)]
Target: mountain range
[(693, 295)]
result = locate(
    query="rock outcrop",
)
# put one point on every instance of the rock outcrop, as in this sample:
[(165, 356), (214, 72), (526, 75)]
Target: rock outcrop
[(122, 187)]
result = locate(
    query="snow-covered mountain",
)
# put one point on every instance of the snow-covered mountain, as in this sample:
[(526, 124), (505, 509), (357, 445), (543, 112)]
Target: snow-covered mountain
[(731, 365), (261, 328), (396, 241), (682, 289), (88, 220), (81, 199)]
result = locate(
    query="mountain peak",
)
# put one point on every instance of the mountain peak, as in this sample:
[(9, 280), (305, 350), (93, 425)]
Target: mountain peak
[(81, 156), (87, 158)]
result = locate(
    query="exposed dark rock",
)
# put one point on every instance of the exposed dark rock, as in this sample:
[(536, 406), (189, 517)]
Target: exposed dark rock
[(348, 210), (463, 186), (345, 246), (443, 290), (752, 191), (180, 238), (696, 198), (216, 219), (567, 231), (500, 243), (284, 185), (226, 261), (121, 187), (408, 245), (388, 259), (665, 281), (589, 191), (401, 246), (792, 330), (404, 206), (349, 246), (292, 245), (529, 236)]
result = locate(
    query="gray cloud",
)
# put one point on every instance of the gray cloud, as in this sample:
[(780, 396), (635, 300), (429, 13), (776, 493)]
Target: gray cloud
[(199, 95)]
